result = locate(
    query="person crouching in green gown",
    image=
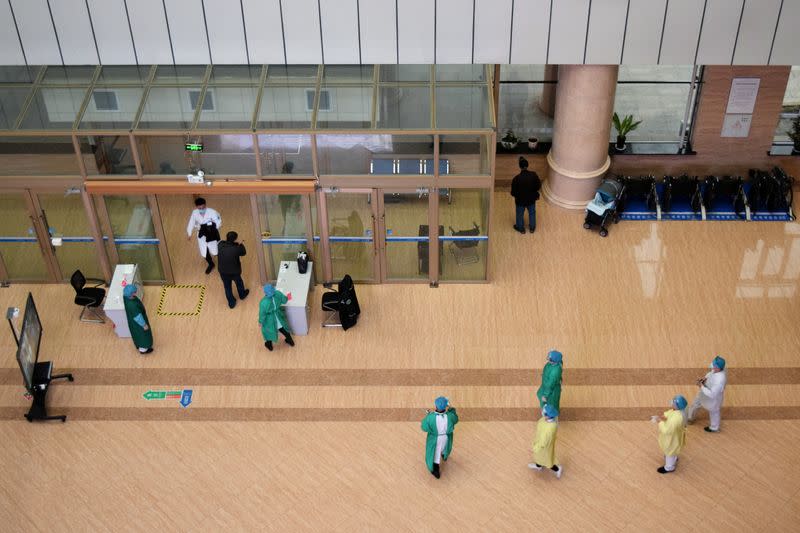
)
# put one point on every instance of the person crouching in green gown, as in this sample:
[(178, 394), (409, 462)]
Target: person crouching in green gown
[(271, 317), (550, 391), (439, 426), (138, 323)]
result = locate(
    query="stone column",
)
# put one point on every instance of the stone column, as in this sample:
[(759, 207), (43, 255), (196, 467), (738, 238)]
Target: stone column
[(579, 156), (547, 102)]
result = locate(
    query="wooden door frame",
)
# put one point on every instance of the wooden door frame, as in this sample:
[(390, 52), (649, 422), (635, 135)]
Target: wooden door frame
[(43, 235), (325, 228), (158, 227), (382, 252)]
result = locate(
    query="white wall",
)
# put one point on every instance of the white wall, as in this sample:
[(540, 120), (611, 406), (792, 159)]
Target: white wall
[(348, 31)]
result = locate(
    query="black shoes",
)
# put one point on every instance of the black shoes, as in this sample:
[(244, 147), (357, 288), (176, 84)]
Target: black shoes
[(521, 230), (290, 341), (246, 292), (435, 471), (149, 350), (532, 229), (708, 428), (209, 268), (662, 470), (268, 344)]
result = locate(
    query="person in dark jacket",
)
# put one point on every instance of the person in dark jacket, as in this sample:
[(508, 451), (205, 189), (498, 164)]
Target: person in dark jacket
[(525, 190), (230, 267)]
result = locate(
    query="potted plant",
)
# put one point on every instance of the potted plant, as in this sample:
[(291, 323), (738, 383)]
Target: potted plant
[(794, 134), (623, 128), (533, 143), (509, 140)]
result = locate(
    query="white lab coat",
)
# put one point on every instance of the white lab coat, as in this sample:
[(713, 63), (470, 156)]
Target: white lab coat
[(712, 393), (441, 440), (196, 220)]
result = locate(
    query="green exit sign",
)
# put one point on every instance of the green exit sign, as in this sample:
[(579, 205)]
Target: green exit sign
[(193, 147)]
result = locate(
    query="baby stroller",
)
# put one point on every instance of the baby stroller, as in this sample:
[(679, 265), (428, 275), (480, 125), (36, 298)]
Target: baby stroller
[(603, 206)]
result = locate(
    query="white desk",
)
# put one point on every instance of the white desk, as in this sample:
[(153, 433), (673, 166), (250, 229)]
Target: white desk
[(114, 307), (290, 280)]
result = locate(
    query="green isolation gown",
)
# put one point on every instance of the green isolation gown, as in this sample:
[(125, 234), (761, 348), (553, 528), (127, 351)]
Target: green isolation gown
[(133, 308), (551, 386), (271, 316), (429, 426)]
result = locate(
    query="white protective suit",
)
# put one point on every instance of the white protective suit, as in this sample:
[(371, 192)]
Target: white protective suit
[(198, 219), (710, 397)]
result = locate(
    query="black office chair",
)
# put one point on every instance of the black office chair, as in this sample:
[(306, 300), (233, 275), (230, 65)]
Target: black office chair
[(89, 297), (341, 304), (465, 251)]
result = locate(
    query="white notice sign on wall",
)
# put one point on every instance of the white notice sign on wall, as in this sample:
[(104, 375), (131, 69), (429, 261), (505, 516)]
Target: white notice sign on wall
[(742, 98), (736, 126)]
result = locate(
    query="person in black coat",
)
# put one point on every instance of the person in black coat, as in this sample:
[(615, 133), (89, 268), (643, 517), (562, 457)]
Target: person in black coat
[(525, 190), (230, 267)]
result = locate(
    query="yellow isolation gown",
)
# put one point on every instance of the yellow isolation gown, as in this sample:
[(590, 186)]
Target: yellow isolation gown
[(672, 433), (544, 445)]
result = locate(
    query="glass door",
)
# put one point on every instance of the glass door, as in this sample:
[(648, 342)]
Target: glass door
[(404, 251), (284, 229), (64, 218), (22, 257), (352, 225), (128, 221)]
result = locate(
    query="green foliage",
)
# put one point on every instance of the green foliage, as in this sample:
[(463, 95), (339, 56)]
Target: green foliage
[(509, 137), (794, 133), (625, 126)]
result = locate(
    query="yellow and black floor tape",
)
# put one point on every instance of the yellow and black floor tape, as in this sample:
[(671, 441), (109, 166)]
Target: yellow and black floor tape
[(163, 298)]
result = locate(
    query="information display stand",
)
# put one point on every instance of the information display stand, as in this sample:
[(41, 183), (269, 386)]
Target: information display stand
[(114, 307), (290, 280)]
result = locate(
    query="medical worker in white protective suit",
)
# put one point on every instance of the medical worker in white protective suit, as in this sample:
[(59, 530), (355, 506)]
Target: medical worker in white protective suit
[(207, 223), (710, 395)]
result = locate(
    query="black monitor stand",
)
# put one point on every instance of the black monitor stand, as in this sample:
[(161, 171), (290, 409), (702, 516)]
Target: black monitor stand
[(42, 376)]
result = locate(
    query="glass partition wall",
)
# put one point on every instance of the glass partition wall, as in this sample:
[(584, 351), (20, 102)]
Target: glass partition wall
[(402, 146)]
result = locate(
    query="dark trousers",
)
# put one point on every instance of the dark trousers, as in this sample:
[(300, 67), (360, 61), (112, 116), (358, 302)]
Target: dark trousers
[(520, 223), (227, 279)]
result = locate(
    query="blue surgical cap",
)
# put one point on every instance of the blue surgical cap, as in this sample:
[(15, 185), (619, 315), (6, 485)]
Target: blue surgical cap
[(719, 362), (680, 402), (269, 290), (555, 356), (550, 411), (129, 290), (441, 403)]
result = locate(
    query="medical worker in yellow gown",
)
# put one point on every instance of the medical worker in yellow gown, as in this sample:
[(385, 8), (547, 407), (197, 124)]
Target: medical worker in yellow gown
[(672, 433), (544, 445)]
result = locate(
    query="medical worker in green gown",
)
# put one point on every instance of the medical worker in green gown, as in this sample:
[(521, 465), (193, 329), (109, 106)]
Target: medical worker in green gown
[(439, 426), (138, 323), (271, 317), (550, 391)]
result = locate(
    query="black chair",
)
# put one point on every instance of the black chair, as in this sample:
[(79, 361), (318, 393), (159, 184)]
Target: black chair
[(341, 304), (465, 251), (88, 297)]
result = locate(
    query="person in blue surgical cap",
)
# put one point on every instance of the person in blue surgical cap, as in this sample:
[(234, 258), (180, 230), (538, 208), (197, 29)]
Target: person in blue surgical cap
[(271, 317), (544, 446), (672, 433), (439, 426), (550, 390), (711, 394), (138, 324)]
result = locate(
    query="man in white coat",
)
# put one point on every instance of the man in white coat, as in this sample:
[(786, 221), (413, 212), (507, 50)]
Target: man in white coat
[(207, 223), (710, 395)]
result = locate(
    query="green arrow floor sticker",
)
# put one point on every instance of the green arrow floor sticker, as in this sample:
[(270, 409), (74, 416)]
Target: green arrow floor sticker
[(183, 396)]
